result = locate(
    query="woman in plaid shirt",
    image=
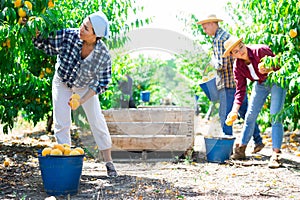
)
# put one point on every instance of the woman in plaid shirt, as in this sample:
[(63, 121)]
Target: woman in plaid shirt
[(84, 67)]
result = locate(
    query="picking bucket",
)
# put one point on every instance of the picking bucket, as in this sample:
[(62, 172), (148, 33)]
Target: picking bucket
[(218, 149), (210, 89), (61, 174), (145, 96)]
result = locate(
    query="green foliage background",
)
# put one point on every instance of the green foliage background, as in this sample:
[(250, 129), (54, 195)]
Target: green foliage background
[(26, 73), (162, 78)]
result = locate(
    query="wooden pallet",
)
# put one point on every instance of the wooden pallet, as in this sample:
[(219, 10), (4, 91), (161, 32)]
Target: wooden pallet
[(151, 128)]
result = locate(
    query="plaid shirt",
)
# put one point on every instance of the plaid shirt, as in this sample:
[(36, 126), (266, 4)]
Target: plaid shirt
[(224, 66), (94, 72)]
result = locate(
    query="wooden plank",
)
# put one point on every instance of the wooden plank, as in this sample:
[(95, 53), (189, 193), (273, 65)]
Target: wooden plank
[(149, 115), (161, 143), (147, 156), (149, 128)]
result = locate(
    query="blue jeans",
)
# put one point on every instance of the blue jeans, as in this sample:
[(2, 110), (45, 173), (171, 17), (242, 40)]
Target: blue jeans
[(226, 102), (258, 97)]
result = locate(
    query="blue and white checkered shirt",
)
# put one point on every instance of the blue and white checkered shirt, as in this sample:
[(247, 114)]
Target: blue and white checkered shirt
[(224, 66), (94, 71)]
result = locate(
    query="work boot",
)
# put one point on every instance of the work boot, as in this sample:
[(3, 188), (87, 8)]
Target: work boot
[(239, 153), (258, 148)]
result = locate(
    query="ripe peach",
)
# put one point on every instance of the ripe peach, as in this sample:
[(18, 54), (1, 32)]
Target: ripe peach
[(229, 122), (46, 151), (6, 163), (56, 152), (66, 145), (80, 150), (60, 147), (293, 33), (75, 96), (74, 152), (74, 103), (67, 151)]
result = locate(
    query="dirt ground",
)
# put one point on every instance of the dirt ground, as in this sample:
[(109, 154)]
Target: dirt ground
[(188, 178)]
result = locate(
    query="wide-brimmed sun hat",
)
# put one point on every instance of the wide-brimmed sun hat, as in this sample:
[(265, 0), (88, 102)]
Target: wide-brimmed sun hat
[(230, 44), (210, 18), (100, 24)]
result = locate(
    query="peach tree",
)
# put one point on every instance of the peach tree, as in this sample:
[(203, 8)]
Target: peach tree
[(26, 73)]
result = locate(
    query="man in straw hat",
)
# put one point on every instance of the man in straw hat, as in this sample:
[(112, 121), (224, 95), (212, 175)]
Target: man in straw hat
[(248, 66), (224, 80)]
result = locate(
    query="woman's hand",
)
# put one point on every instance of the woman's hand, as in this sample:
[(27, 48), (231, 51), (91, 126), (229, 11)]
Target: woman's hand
[(24, 21), (231, 117), (74, 101), (262, 69)]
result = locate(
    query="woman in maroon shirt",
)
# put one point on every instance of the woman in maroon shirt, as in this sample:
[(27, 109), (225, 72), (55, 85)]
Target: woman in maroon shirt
[(248, 66)]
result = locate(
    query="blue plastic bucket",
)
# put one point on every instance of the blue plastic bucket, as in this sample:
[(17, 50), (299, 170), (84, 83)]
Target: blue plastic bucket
[(218, 149), (210, 89), (145, 96), (61, 174)]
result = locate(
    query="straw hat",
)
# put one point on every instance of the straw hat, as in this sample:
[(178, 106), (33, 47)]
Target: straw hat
[(210, 18), (230, 44)]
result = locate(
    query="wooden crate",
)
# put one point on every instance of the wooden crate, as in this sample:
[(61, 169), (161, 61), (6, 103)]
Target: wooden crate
[(151, 128)]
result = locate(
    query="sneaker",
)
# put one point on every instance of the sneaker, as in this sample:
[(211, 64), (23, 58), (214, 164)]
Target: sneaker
[(258, 148), (275, 161), (111, 171)]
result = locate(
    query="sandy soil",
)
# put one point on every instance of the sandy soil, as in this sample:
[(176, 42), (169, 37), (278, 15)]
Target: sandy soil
[(193, 178)]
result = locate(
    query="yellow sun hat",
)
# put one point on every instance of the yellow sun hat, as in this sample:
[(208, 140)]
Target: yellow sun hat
[(230, 44), (210, 18)]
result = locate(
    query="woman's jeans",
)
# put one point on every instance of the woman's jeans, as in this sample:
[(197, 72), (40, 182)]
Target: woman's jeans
[(258, 97), (226, 102)]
